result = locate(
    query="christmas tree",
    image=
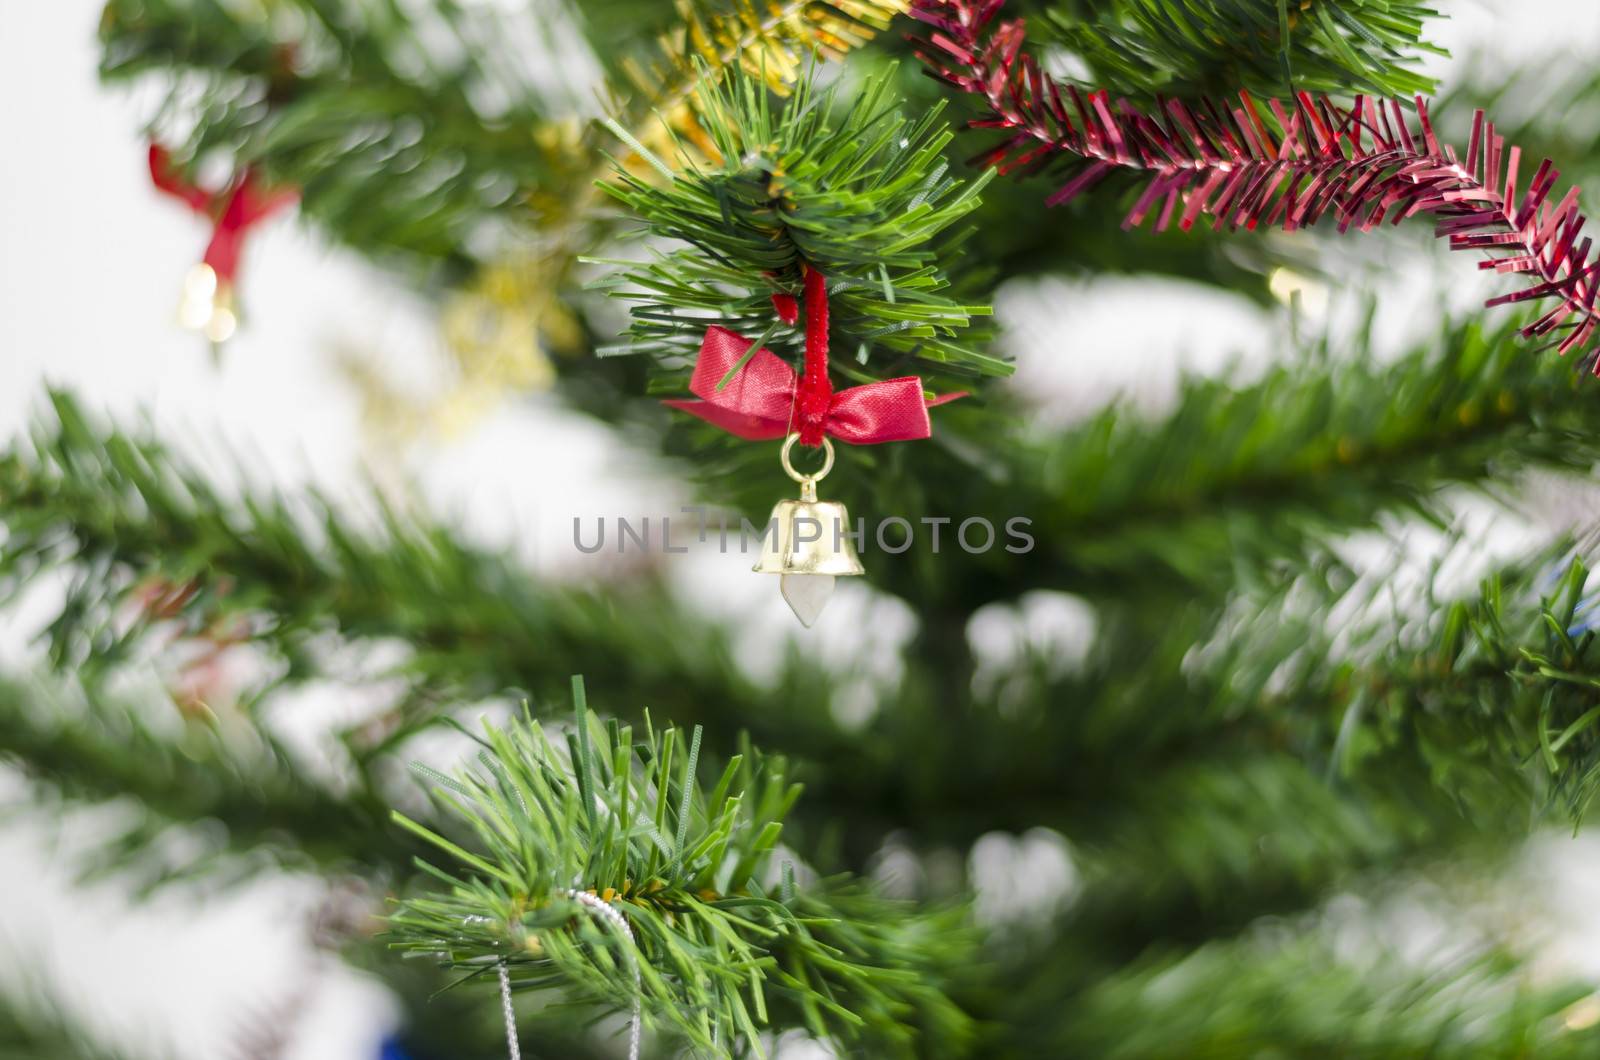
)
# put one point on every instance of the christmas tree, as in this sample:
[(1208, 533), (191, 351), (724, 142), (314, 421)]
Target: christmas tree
[(1127, 724)]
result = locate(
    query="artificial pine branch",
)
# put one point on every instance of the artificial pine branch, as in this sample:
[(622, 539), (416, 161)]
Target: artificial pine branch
[(1288, 989), (861, 197), (1458, 727), (75, 747), (33, 1027), (1505, 686), (773, 43), (1268, 46), (1201, 881), (1206, 839), (1141, 509), (1214, 864), (725, 943), (87, 495), (1263, 472), (1290, 166)]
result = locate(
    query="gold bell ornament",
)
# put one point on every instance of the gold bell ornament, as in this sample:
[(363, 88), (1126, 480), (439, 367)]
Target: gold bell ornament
[(807, 542), (754, 394)]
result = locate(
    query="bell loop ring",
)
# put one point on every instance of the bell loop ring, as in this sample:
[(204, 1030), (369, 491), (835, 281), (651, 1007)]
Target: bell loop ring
[(808, 483)]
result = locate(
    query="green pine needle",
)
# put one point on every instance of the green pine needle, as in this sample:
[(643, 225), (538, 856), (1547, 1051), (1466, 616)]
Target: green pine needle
[(854, 189), (720, 958), (1136, 47)]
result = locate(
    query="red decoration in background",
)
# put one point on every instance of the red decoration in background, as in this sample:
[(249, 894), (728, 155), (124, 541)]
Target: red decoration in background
[(1362, 165), (765, 399), (207, 674), (233, 210)]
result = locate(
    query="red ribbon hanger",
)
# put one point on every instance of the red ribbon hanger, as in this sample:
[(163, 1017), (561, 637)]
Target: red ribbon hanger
[(233, 210), (766, 400)]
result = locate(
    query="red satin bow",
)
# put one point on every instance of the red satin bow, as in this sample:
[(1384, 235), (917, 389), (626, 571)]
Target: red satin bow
[(233, 210), (767, 400)]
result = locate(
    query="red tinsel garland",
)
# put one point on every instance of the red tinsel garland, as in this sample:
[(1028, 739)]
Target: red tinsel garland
[(1363, 165)]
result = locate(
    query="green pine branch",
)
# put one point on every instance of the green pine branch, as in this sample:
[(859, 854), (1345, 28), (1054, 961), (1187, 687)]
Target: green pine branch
[(1502, 685), (84, 495), (1299, 992), (1261, 473), (853, 189), (32, 1026), (123, 514), (176, 774), (1203, 847), (1464, 728), (1273, 47), (100, 501), (1309, 451), (724, 943)]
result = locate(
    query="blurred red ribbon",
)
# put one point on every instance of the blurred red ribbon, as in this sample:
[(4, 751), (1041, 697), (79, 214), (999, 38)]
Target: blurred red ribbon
[(233, 210), (765, 399)]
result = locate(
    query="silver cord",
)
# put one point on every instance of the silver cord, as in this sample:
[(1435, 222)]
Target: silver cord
[(510, 1014), (618, 921)]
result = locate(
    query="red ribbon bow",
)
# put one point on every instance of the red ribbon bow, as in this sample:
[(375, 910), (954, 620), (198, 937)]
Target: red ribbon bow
[(765, 399), (233, 210)]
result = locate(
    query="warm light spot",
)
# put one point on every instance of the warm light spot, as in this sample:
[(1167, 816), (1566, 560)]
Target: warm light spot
[(222, 325), (1285, 284), (199, 298), (1581, 1015), (201, 282), (194, 314), (206, 306)]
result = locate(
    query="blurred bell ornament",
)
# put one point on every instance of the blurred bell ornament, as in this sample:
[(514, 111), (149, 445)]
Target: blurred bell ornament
[(207, 305), (807, 542)]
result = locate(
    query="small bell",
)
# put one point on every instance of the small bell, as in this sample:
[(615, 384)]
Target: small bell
[(807, 542)]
